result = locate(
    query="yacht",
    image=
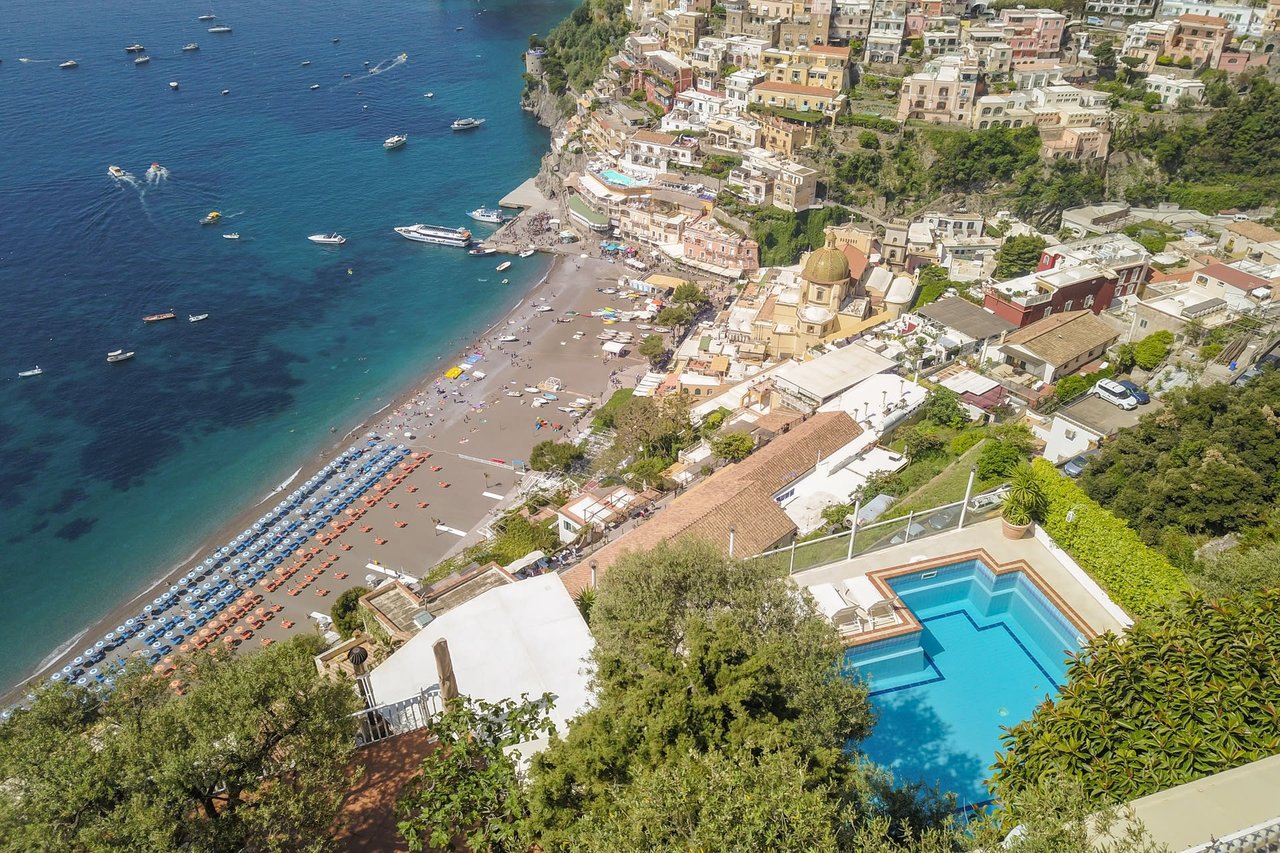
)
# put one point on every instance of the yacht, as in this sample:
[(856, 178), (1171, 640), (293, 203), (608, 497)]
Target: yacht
[(119, 355), (156, 318), (460, 237), (211, 217), (191, 46), (504, 266), (117, 173), (220, 28), (481, 251), (35, 371), (393, 142), (134, 48), (466, 123), (488, 214), (328, 239), (196, 318), (208, 17), (142, 60), (70, 63)]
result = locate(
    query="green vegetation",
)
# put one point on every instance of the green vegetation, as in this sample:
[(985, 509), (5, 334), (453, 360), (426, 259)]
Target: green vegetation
[(733, 446), (1205, 465), (942, 408), (689, 294), (1069, 387), (1240, 570), (871, 122), (517, 536), (654, 348), (784, 236), (1025, 500), (555, 456), (1041, 192), (251, 755), (971, 161), (346, 611), (1153, 349), (1008, 450), (1153, 236), (605, 415), (1187, 692), (578, 46), (933, 283), (1136, 577), (719, 165), (675, 315), (1018, 256)]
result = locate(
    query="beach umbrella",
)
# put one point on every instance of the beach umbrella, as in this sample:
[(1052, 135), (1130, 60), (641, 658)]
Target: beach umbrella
[(98, 645), (147, 610)]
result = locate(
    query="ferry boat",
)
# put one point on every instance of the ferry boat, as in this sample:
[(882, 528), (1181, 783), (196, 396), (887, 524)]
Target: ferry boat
[(459, 237), (156, 318), (504, 266), (211, 217), (70, 63), (134, 48), (142, 60), (328, 239), (196, 318), (35, 371), (119, 355), (220, 28), (394, 142), (488, 214), (481, 251), (466, 123), (117, 173), (191, 46)]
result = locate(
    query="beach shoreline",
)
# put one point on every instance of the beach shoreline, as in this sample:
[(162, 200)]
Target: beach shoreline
[(565, 286)]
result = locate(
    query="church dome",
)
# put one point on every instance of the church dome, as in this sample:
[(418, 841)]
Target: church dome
[(826, 266)]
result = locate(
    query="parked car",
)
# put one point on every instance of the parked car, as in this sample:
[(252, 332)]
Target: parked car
[(1138, 394), (1074, 466), (1115, 394)]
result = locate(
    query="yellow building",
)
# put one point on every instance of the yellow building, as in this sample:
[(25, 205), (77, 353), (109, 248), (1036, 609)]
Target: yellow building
[(824, 305)]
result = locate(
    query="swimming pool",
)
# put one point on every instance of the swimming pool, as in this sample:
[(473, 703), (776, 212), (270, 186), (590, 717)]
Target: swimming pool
[(993, 647), (615, 177)]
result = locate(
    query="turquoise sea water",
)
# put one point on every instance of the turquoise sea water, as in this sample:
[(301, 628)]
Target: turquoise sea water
[(992, 649), (110, 474)]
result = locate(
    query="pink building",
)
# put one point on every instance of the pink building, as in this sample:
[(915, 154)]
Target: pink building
[(1037, 33), (708, 243)]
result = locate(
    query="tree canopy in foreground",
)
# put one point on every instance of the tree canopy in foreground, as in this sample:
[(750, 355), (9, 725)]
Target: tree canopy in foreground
[(252, 757)]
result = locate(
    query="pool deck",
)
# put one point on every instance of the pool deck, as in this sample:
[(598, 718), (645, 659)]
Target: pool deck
[(1056, 577)]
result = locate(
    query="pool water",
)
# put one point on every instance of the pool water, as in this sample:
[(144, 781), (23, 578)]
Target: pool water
[(615, 177), (992, 649)]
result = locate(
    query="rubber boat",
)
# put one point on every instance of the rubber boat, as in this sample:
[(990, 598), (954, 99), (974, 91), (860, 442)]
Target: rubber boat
[(70, 63), (191, 46), (528, 253), (196, 318), (35, 371), (234, 235), (119, 355), (481, 251), (328, 239), (504, 266), (142, 60)]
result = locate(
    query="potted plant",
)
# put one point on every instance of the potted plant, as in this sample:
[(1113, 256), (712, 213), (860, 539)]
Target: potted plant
[(1023, 502)]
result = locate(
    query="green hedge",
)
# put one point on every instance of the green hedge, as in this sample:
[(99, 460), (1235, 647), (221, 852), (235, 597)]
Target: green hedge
[(1136, 577)]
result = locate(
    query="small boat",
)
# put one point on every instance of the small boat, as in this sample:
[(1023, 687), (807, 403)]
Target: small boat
[(505, 281), (508, 339), (530, 389), (196, 318), (142, 60), (457, 29), (488, 214), (191, 46), (119, 355), (393, 142), (542, 309), (226, 91), (335, 41), (220, 28), (504, 266), (481, 251), (314, 86), (134, 48), (466, 123), (70, 63), (156, 318), (234, 235), (328, 239), (515, 393), (346, 76), (429, 95), (538, 403), (211, 217), (117, 173), (306, 62), (155, 170), (173, 84), (528, 253), (207, 18), (35, 371)]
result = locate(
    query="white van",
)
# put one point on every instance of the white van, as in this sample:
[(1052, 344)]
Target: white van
[(1115, 393)]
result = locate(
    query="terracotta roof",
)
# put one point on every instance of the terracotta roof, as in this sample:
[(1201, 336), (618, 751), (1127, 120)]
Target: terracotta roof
[(652, 137), (1255, 231), (828, 50), (796, 89), (739, 496), (857, 261), (1236, 278), (1062, 338), (1204, 20)]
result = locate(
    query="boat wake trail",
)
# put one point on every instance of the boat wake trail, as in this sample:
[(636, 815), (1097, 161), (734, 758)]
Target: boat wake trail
[(157, 174), (25, 59), (387, 65)]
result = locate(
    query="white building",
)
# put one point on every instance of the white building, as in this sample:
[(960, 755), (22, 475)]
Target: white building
[(1171, 89), (1244, 18)]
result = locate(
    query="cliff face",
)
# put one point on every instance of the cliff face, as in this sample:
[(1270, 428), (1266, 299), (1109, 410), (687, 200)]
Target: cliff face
[(544, 106), (556, 164)]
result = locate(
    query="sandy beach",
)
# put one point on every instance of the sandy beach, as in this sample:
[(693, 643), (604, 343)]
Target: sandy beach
[(464, 435)]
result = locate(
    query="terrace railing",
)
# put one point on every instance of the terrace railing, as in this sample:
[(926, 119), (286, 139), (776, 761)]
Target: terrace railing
[(396, 718)]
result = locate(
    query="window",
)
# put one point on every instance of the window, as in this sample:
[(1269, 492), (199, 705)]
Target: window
[(1068, 304), (1142, 324), (1088, 300), (1048, 309)]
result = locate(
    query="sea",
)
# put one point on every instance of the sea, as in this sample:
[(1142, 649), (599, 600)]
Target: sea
[(112, 474)]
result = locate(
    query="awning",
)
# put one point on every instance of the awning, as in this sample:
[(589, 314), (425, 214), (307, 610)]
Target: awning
[(614, 347)]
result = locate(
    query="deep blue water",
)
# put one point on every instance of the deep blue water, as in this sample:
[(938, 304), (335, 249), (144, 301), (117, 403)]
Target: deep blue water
[(110, 474)]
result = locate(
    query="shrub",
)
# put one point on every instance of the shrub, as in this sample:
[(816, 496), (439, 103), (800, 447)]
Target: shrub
[(1152, 349), (1136, 577), (605, 415), (554, 456), (964, 441), (346, 611)]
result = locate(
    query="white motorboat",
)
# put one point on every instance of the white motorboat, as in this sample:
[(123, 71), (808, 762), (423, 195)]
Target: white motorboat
[(117, 173), (306, 62), (226, 91), (196, 318), (134, 48), (542, 309), (466, 123), (508, 339), (173, 84), (459, 237), (481, 251), (234, 235), (429, 95), (142, 60), (119, 355), (488, 214), (532, 390), (35, 371), (504, 266), (539, 403), (515, 393), (70, 63), (528, 253), (328, 239), (393, 142), (191, 46), (314, 86), (220, 28), (209, 17)]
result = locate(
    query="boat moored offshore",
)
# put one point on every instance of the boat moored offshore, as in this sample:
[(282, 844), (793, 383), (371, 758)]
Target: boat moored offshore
[(459, 237), (394, 142), (156, 318), (191, 46), (134, 48), (35, 371), (70, 63), (488, 214), (334, 239), (220, 28), (466, 123), (119, 355), (211, 217)]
